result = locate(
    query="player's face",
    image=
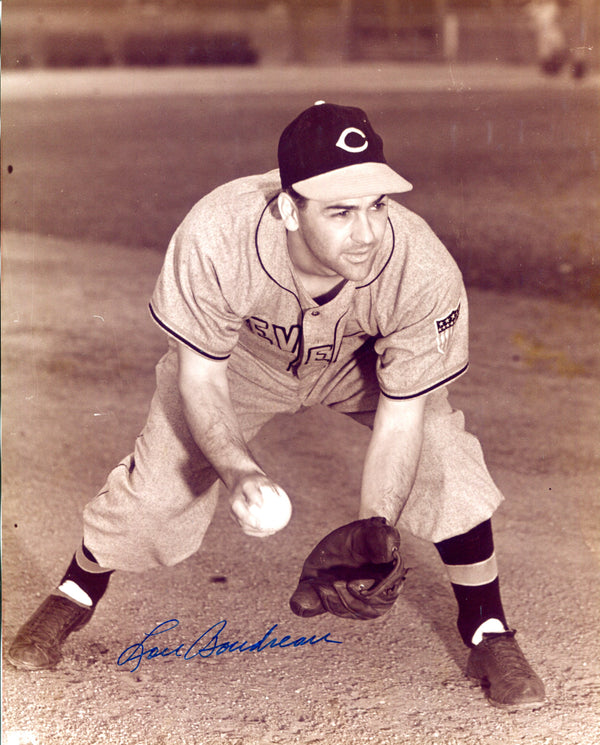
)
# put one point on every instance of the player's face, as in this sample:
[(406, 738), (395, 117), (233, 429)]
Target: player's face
[(339, 239)]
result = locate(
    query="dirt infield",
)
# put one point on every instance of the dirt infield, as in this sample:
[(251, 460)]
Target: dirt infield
[(78, 356)]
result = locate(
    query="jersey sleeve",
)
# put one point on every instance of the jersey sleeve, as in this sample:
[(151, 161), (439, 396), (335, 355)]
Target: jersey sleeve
[(189, 301), (428, 347)]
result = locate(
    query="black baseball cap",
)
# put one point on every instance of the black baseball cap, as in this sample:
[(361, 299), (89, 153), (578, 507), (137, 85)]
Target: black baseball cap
[(333, 152)]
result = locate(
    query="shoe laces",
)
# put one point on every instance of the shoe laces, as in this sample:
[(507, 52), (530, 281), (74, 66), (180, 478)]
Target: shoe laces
[(46, 626), (507, 652)]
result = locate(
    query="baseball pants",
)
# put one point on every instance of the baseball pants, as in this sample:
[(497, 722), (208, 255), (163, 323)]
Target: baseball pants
[(158, 502)]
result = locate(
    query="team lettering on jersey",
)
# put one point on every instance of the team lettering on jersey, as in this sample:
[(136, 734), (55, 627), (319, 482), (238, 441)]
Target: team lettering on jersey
[(288, 339)]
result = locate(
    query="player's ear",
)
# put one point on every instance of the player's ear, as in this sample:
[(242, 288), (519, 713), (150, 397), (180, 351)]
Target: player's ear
[(288, 211)]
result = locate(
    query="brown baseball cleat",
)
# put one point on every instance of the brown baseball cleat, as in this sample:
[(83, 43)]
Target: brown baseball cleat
[(500, 665), (38, 642)]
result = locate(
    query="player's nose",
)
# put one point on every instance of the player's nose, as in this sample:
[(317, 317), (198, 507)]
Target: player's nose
[(362, 230)]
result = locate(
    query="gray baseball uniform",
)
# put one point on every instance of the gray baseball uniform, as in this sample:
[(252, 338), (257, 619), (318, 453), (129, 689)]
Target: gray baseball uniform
[(229, 291)]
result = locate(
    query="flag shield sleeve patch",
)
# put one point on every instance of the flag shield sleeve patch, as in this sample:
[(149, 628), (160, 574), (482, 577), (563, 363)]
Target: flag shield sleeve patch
[(444, 328)]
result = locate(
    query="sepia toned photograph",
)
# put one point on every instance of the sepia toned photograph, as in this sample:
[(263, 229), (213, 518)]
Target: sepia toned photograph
[(300, 372)]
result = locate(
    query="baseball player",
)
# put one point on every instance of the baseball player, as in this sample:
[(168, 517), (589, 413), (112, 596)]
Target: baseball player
[(306, 285)]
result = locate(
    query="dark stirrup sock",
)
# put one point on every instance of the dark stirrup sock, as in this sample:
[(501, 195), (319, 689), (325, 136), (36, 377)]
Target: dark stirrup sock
[(85, 581), (470, 562)]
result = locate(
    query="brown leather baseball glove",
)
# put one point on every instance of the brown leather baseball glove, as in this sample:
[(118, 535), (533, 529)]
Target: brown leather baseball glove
[(356, 571)]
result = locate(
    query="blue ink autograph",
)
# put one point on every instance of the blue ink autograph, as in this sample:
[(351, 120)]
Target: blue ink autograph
[(206, 645)]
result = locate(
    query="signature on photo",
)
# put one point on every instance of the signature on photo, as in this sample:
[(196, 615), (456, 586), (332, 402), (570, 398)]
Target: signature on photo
[(208, 644)]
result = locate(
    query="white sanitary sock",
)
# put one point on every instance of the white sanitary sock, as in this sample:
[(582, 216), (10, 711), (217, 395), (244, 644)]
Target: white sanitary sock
[(491, 626), (72, 590)]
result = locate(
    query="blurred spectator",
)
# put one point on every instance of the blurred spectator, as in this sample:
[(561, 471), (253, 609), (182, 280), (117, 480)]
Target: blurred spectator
[(553, 50)]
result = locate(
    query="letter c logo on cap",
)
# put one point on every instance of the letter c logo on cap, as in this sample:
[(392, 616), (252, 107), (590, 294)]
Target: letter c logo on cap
[(341, 143)]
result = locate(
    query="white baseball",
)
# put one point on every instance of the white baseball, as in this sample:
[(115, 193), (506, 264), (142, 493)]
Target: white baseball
[(274, 513)]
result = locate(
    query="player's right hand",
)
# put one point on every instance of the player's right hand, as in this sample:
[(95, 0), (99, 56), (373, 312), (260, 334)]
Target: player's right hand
[(246, 501)]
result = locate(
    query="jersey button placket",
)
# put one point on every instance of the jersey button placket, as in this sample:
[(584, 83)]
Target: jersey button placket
[(310, 326)]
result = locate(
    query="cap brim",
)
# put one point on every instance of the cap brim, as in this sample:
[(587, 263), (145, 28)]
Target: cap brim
[(352, 182)]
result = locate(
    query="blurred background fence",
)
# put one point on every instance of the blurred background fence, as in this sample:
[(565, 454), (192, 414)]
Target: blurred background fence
[(67, 33)]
